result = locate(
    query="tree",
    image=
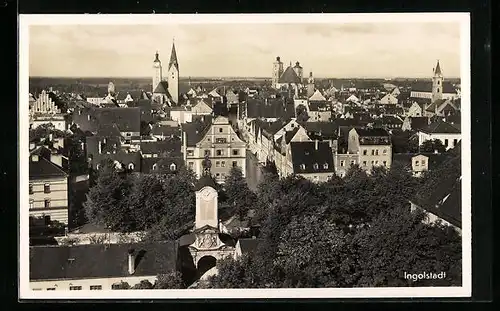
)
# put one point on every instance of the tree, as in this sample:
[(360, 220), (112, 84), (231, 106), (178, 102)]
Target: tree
[(144, 284), (238, 195), (397, 241), (432, 146), (121, 285), (107, 202), (309, 253), (172, 280), (178, 209), (43, 131), (147, 200)]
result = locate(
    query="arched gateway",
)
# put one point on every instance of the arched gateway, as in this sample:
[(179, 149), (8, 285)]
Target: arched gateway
[(206, 230)]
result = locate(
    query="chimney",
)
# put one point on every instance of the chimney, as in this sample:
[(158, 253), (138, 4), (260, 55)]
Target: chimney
[(100, 147), (131, 261), (51, 136), (316, 144), (88, 117), (34, 157), (32, 146)]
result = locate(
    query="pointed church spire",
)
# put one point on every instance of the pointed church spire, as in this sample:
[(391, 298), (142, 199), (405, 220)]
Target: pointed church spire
[(173, 57), (438, 69)]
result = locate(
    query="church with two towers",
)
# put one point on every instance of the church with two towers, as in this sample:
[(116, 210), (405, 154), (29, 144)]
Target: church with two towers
[(166, 89)]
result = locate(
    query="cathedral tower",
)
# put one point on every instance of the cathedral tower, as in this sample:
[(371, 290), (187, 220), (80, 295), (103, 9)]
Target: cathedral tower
[(156, 72), (437, 83), (277, 72), (173, 75), (299, 71), (310, 85)]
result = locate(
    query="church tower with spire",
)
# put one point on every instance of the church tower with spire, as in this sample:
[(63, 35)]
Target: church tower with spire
[(437, 83), (310, 85), (173, 75), (156, 72)]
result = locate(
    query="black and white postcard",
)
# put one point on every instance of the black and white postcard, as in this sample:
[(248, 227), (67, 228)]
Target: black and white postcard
[(244, 156)]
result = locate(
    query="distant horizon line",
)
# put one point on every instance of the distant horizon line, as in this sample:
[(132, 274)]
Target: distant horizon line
[(237, 77)]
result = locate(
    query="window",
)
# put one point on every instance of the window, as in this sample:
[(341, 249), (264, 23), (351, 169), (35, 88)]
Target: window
[(207, 152), (97, 166), (342, 163), (32, 203), (221, 140), (454, 142), (439, 83), (217, 175), (417, 163), (423, 162), (325, 166), (446, 142), (190, 152), (315, 166), (235, 163), (342, 175), (373, 152), (221, 129), (46, 188), (51, 288), (31, 188), (385, 163), (131, 166), (364, 152), (154, 167), (236, 152), (173, 167), (217, 164), (438, 90), (376, 152), (353, 162), (36, 289), (75, 288), (385, 151), (95, 287), (364, 163), (302, 166), (128, 134), (223, 164), (220, 152), (190, 165), (47, 203), (372, 163)]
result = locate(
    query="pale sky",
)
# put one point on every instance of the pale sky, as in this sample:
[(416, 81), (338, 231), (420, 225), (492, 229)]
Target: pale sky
[(245, 50)]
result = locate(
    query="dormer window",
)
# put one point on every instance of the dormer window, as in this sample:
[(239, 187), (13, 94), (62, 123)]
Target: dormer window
[(325, 166), (131, 166), (173, 167), (97, 166), (417, 163), (154, 167), (315, 166), (303, 167)]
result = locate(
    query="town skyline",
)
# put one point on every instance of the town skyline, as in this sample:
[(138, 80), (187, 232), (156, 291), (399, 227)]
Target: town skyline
[(410, 50)]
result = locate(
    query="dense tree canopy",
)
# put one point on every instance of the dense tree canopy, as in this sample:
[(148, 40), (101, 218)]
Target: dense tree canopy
[(432, 146), (350, 232)]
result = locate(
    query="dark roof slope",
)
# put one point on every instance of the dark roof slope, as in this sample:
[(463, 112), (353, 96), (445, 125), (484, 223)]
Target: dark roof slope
[(372, 132), (289, 76), (249, 245), (127, 119), (445, 201), (441, 127), (42, 168), (314, 160), (101, 261), (195, 131)]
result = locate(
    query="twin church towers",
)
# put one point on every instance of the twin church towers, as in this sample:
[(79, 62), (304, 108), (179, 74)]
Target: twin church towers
[(172, 78)]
